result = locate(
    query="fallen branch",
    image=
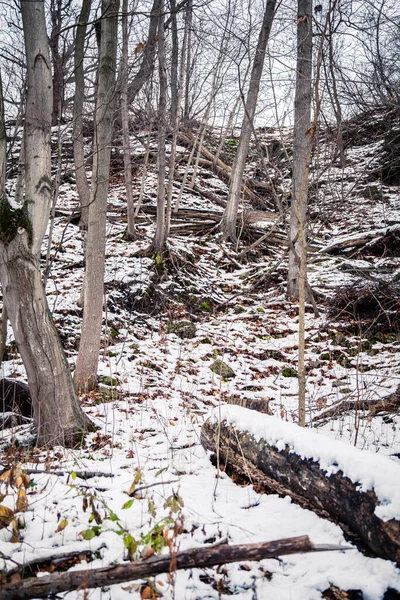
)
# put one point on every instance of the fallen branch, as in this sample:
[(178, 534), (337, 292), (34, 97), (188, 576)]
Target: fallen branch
[(389, 403), (190, 559)]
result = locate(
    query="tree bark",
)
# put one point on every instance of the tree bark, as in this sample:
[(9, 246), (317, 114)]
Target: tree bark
[(89, 349), (149, 53), (57, 413), (82, 183), (3, 143), (228, 223), (302, 138), (159, 238), (284, 472), (38, 187), (189, 559), (3, 164), (130, 233)]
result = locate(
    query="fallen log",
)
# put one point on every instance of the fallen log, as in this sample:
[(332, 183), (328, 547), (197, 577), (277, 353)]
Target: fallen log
[(189, 559), (374, 406), (357, 490), (359, 240)]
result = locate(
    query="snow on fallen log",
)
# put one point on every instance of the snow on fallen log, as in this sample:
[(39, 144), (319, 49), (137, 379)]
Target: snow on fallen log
[(358, 240), (356, 489)]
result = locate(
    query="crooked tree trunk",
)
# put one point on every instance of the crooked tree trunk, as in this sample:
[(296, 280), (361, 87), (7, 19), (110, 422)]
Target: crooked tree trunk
[(89, 349), (79, 143), (284, 472), (57, 413), (228, 223)]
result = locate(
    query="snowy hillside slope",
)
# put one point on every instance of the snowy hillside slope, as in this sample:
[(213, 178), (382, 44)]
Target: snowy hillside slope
[(157, 387)]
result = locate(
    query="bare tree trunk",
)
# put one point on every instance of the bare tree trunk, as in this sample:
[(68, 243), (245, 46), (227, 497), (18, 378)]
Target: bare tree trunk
[(302, 138), (89, 349), (149, 53), (58, 75), (130, 233), (302, 141), (57, 413), (159, 239), (228, 223), (333, 91), (176, 101), (186, 112), (3, 143), (3, 163), (79, 144)]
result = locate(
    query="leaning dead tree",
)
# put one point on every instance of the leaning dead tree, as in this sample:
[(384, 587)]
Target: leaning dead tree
[(278, 468), (130, 571)]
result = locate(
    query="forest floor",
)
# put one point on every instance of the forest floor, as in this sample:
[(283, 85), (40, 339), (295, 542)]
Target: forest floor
[(157, 387)]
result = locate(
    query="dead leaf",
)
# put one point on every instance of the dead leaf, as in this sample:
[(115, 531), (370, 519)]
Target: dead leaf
[(62, 525), (22, 500), (6, 516)]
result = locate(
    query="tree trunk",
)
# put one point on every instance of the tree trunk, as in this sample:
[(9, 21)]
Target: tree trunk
[(159, 239), (228, 223), (3, 143), (149, 53), (284, 472), (189, 16), (57, 414), (57, 60), (3, 162), (38, 186), (89, 349), (79, 144), (302, 139), (176, 101), (130, 233)]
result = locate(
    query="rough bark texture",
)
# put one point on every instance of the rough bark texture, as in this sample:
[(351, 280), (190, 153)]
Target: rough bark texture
[(228, 224), (79, 143), (189, 559), (86, 368), (286, 473), (301, 143), (57, 414), (38, 191)]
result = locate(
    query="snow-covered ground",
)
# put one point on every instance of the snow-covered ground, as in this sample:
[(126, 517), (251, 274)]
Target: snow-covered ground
[(149, 424)]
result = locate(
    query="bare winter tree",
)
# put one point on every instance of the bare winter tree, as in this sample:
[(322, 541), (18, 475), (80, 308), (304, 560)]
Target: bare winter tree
[(159, 238), (57, 413), (228, 223), (302, 137), (302, 142), (130, 232), (82, 183), (89, 349)]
